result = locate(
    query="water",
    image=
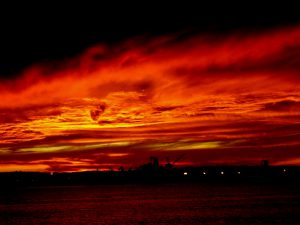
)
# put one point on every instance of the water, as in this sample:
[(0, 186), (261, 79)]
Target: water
[(152, 204)]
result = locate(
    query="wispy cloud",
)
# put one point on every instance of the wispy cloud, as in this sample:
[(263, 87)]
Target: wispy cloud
[(222, 100)]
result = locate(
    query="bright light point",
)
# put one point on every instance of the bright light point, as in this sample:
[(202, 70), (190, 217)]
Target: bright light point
[(239, 172), (185, 173), (204, 173), (222, 173), (284, 170)]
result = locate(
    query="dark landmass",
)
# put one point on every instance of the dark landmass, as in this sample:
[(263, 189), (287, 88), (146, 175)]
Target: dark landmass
[(156, 175)]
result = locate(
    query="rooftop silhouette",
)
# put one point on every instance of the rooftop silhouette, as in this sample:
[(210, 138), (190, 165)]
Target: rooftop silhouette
[(153, 172)]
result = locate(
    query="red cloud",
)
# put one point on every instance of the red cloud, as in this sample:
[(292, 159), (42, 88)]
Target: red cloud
[(220, 100)]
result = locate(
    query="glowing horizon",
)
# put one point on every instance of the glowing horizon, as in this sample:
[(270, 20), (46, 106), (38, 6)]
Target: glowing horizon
[(221, 99)]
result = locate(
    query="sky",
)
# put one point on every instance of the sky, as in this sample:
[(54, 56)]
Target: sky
[(116, 87)]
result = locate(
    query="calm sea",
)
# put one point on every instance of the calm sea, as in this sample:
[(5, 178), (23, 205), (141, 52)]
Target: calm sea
[(152, 204)]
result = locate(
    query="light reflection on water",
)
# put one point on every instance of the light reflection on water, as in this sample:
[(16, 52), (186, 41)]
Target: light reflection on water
[(152, 204)]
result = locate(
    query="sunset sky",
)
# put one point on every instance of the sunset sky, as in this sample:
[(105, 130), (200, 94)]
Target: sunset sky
[(226, 94)]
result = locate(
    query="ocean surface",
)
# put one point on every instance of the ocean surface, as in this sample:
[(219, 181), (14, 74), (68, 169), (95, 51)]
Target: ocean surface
[(152, 204)]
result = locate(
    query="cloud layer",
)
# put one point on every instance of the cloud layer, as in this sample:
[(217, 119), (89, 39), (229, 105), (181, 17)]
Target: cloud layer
[(222, 99)]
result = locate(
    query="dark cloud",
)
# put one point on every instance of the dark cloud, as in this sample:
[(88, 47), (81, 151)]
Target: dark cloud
[(8, 116), (28, 113), (282, 106), (95, 113)]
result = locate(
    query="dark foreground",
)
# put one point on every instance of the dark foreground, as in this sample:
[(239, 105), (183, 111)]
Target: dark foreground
[(183, 203)]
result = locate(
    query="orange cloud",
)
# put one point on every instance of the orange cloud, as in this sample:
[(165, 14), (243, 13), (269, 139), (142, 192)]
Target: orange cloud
[(206, 95)]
